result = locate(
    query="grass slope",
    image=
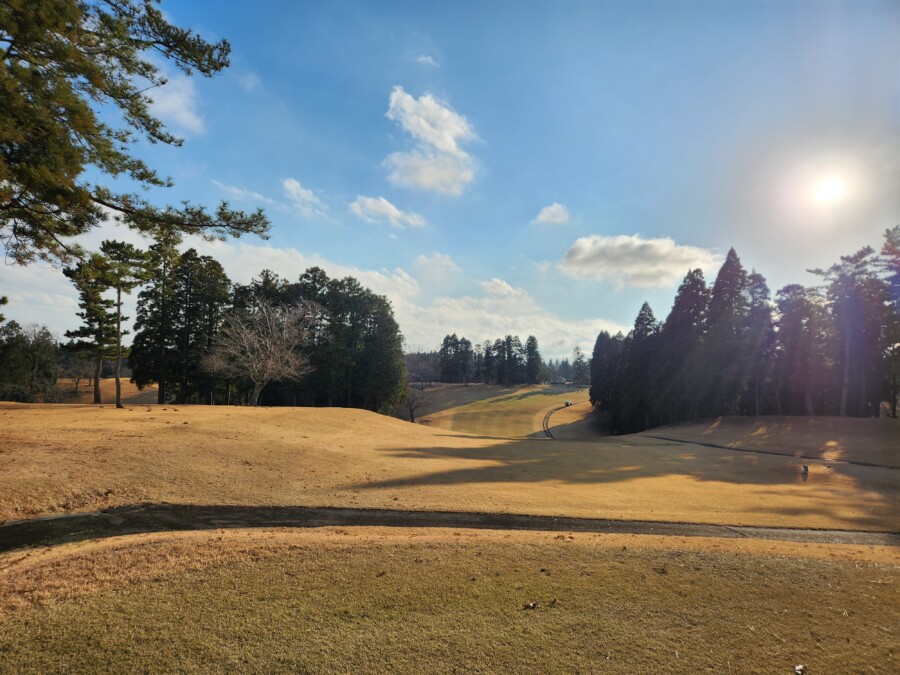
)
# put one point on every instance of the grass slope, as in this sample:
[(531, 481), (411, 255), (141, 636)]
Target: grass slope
[(496, 411), (441, 600), (74, 458)]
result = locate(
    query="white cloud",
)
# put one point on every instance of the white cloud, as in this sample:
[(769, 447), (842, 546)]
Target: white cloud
[(303, 200), (554, 214), (437, 162), (427, 60), (633, 260), (445, 174), (242, 194), (176, 104), (380, 210)]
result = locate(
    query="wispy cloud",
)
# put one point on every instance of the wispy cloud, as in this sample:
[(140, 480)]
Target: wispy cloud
[(427, 60), (380, 210), (633, 260), (303, 201), (437, 162), (554, 214), (242, 194)]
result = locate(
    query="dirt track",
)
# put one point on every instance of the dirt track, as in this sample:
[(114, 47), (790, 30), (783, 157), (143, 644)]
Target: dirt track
[(172, 517)]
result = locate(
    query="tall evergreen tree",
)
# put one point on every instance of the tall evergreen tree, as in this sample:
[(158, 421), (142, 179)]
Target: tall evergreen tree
[(679, 357), (890, 266), (857, 298), (201, 295), (152, 355), (604, 363), (760, 342), (802, 352), (634, 385), (97, 332), (125, 269), (725, 345), (581, 371), (533, 361)]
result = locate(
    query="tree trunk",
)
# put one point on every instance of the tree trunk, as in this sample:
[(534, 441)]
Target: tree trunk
[(98, 366), (119, 348), (254, 395), (845, 386)]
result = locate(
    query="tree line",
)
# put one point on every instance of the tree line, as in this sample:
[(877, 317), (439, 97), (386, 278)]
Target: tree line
[(202, 339), (831, 349), (505, 361)]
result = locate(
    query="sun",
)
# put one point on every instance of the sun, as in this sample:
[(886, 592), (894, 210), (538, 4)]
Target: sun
[(830, 191)]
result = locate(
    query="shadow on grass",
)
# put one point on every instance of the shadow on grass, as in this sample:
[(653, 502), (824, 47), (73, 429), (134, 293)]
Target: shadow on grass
[(611, 460), (145, 518)]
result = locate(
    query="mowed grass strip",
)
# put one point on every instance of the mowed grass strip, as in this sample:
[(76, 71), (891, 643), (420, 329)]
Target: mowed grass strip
[(59, 458), (366, 600), (496, 411)]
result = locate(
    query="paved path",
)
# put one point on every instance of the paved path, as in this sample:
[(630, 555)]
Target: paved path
[(173, 517)]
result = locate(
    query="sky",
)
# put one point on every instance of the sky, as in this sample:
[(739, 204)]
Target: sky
[(528, 167)]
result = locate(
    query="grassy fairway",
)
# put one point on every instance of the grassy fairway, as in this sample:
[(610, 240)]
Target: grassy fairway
[(372, 600), (490, 410), (74, 458), (408, 599)]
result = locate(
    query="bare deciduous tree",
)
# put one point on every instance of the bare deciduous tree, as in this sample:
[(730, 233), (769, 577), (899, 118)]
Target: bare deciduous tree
[(262, 343), (416, 399)]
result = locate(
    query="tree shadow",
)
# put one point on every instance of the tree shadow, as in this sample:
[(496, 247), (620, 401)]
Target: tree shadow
[(146, 518), (611, 460)]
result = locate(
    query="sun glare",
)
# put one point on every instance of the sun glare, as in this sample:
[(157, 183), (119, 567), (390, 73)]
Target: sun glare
[(829, 191)]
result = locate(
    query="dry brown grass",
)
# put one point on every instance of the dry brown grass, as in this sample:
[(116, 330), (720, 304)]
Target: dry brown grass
[(71, 458), (875, 441), (379, 599), (437, 600), (492, 410)]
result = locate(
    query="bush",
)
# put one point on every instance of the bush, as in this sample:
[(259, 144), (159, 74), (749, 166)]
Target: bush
[(15, 392)]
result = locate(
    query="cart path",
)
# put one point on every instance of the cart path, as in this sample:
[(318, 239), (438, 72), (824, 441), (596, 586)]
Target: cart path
[(145, 518)]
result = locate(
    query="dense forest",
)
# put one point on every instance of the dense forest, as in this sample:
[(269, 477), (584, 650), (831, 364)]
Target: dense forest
[(202, 339), (831, 349)]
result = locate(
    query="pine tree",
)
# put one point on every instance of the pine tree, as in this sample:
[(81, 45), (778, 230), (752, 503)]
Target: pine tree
[(152, 355), (98, 329), (581, 371), (634, 384), (857, 299), (201, 295), (604, 363), (533, 361), (125, 270), (890, 265), (679, 350), (71, 71), (760, 340), (725, 345)]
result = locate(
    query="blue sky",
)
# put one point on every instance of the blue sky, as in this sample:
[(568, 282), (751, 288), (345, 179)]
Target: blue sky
[(416, 145)]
